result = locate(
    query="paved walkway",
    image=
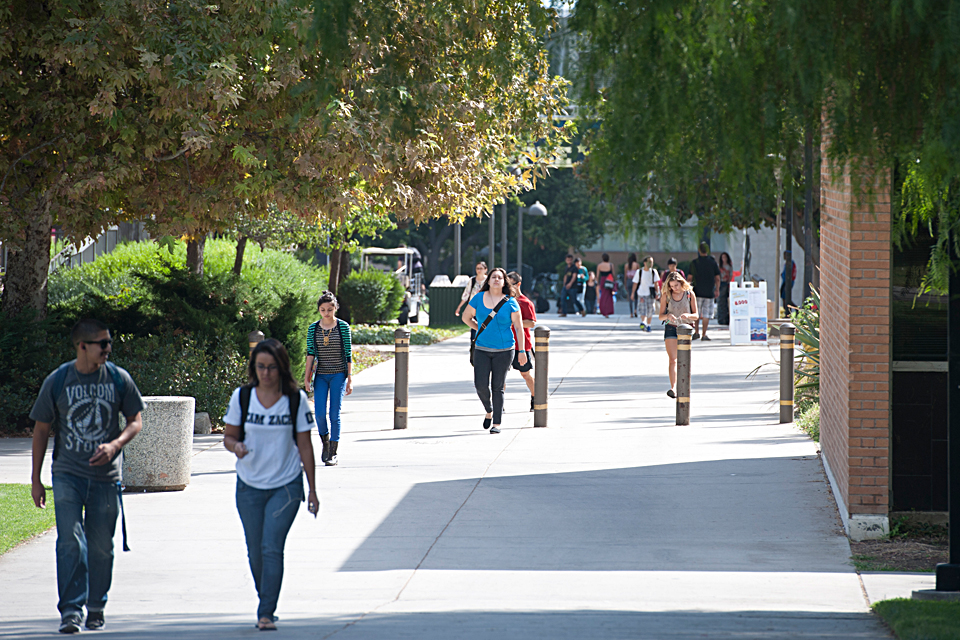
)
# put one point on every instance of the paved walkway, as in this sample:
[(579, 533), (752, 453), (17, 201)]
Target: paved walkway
[(611, 523)]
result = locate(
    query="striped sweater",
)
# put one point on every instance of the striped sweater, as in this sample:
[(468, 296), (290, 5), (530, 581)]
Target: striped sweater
[(345, 342)]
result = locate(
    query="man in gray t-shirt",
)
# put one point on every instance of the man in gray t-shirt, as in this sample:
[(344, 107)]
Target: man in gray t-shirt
[(83, 402)]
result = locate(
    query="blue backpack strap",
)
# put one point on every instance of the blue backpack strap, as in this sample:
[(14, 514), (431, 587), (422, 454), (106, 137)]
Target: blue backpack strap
[(245, 391)]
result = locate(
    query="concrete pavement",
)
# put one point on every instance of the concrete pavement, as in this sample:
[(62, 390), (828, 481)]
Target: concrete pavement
[(611, 523)]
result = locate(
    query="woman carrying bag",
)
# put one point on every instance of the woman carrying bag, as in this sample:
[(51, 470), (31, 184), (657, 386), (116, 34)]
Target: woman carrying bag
[(678, 306), (492, 313), (267, 427)]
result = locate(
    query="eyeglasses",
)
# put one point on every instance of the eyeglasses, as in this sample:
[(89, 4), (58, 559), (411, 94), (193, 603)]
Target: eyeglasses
[(267, 367), (106, 342)]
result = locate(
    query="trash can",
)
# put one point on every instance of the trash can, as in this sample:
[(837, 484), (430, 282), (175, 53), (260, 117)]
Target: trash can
[(444, 298)]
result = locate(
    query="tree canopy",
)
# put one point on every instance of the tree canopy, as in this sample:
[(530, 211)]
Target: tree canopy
[(185, 113)]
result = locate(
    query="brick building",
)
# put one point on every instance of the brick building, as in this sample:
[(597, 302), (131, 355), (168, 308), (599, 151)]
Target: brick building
[(882, 362)]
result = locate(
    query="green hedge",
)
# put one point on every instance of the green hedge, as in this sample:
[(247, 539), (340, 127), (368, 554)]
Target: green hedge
[(176, 333), (383, 334), (371, 296)]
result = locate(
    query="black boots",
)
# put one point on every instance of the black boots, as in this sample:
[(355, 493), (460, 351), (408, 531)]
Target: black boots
[(325, 454), (332, 457)]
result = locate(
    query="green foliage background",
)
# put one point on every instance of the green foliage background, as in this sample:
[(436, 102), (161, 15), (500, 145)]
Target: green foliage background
[(176, 333), (371, 296)]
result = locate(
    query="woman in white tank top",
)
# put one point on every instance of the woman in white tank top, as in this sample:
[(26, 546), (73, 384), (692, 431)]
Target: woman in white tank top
[(677, 306)]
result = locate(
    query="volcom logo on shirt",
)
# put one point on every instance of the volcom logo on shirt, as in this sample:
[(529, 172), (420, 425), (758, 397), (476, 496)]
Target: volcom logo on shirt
[(88, 420)]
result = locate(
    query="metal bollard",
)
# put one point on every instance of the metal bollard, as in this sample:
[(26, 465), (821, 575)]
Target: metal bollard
[(684, 333), (254, 338), (787, 341), (541, 377), (401, 384)]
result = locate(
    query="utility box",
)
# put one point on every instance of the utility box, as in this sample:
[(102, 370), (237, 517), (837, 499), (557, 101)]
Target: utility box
[(444, 298)]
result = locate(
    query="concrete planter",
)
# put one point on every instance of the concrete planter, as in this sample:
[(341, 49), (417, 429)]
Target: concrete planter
[(158, 459)]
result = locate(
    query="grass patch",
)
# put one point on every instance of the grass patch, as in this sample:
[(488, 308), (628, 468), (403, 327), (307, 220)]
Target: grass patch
[(366, 358), (808, 419), (19, 519), (920, 619), (383, 334)]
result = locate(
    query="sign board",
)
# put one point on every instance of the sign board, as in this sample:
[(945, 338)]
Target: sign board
[(748, 313)]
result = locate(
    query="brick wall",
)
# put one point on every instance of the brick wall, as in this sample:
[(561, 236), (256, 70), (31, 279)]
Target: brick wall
[(855, 340)]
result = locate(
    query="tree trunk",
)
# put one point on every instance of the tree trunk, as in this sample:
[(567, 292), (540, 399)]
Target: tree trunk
[(25, 285), (334, 283), (238, 261), (808, 248), (195, 254), (344, 311)]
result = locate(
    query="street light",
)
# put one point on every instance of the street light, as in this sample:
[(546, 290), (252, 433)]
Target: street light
[(536, 209)]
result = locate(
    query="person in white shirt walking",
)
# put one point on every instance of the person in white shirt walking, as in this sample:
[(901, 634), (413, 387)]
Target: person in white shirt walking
[(645, 282)]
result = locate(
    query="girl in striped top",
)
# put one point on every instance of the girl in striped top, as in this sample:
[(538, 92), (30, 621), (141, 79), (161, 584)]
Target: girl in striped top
[(329, 371)]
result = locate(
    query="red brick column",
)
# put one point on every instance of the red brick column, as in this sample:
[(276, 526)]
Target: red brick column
[(855, 348)]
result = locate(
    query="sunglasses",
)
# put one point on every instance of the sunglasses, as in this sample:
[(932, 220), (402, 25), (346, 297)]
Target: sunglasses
[(106, 342)]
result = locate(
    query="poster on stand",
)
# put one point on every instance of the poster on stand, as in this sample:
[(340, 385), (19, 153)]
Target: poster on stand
[(748, 313)]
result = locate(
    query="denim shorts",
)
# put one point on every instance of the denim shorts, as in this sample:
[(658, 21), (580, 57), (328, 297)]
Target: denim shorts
[(669, 332)]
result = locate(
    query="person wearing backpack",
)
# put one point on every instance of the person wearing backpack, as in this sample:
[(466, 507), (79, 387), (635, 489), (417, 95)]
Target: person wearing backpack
[(495, 315), (84, 402), (329, 371), (267, 426)]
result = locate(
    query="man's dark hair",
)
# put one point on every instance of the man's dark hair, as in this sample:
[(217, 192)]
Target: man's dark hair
[(569, 256), (578, 259), (86, 329), (704, 248), (514, 277), (671, 261)]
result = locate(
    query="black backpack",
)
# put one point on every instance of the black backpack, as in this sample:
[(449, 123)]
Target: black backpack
[(245, 391)]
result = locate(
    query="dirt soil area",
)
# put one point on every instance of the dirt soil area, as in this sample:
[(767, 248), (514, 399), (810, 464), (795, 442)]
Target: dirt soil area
[(900, 554)]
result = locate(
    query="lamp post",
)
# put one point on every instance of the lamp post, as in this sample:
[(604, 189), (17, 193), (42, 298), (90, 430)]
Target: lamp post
[(536, 209), (493, 238)]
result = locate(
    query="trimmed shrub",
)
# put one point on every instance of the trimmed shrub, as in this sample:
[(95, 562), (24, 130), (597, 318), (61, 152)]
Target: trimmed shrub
[(371, 296)]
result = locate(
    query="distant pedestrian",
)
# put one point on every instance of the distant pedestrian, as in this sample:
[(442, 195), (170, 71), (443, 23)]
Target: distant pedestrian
[(582, 276), (787, 259), (473, 287), (495, 346), (723, 300), (94, 409), (671, 267), (644, 293), (528, 315), (677, 306), (329, 372), (706, 276), (629, 271), (590, 297), (607, 284), (267, 426), (568, 289)]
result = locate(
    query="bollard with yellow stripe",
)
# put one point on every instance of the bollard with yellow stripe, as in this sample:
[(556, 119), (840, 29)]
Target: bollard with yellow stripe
[(684, 338), (787, 344), (401, 385), (541, 377)]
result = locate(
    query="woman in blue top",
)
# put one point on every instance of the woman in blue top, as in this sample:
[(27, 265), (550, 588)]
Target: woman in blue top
[(495, 346)]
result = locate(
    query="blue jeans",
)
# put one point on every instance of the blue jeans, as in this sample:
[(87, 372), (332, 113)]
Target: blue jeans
[(334, 385), (86, 513), (267, 515), (569, 299)]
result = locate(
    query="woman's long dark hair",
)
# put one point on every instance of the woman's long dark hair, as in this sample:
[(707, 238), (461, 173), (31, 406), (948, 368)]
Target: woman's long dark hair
[(729, 261), (274, 348), (509, 289), (632, 260)]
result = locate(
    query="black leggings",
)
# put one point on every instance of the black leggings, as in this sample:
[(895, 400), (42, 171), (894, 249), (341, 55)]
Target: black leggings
[(496, 363)]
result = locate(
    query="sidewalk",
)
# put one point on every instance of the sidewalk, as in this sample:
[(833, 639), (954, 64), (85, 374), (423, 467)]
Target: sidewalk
[(611, 523)]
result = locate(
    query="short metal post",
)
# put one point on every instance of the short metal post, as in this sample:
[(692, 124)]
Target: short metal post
[(787, 332), (254, 338), (401, 385), (684, 333), (541, 377)]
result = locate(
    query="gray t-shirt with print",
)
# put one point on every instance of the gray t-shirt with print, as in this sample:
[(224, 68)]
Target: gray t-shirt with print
[(87, 414)]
